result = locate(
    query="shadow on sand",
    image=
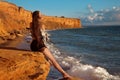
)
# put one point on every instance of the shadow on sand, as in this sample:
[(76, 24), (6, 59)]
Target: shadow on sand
[(13, 48)]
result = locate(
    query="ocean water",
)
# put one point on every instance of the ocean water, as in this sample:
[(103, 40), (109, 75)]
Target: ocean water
[(91, 53)]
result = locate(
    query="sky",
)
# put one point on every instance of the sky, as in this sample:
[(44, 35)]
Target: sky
[(90, 12)]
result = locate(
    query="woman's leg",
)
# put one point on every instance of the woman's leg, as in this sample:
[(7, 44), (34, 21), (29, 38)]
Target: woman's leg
[(48, 54)]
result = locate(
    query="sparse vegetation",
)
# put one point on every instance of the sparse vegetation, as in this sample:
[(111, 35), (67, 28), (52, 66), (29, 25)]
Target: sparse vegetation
[(62, 16)]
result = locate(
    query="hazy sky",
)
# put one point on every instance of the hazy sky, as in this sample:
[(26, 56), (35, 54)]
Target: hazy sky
[(89, 11)]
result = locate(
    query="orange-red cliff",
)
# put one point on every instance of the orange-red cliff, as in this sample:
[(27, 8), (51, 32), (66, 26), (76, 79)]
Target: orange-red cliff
[(14, 19), (61, 22)]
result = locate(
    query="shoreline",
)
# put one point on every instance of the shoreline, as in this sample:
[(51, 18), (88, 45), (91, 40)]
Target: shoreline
[(9, 41), (12, 43)]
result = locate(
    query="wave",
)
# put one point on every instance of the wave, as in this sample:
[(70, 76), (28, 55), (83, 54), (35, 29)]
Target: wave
[(75, 68)]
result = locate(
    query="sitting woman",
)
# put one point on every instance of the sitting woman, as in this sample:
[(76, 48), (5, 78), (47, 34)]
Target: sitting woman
[(38, 43)]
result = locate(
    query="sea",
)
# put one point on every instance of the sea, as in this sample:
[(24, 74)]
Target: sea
[(90, 53)]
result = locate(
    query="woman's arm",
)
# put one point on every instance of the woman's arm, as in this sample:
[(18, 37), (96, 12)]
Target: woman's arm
[(43, 27), (45, 34)]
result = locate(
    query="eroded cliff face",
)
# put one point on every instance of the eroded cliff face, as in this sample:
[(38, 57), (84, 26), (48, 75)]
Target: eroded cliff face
[(14, 20), (14, 16), (61, 23)]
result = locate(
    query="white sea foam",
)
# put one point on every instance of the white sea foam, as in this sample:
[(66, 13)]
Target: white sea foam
[(77, 69)]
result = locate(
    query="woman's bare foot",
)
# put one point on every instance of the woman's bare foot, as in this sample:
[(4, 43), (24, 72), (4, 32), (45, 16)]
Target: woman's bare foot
[(67, 77)]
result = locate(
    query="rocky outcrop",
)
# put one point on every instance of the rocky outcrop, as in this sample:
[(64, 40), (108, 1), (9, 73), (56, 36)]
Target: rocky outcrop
[(23, 65)]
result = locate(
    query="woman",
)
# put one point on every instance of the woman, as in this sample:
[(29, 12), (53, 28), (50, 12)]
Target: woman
[(38, 43)]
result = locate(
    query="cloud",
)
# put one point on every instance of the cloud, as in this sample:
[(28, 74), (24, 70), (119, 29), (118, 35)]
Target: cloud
[(104, 16), (90, 8)]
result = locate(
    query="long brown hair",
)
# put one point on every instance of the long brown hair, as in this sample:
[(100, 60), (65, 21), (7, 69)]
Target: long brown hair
[(37, 42), (35, 24)]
